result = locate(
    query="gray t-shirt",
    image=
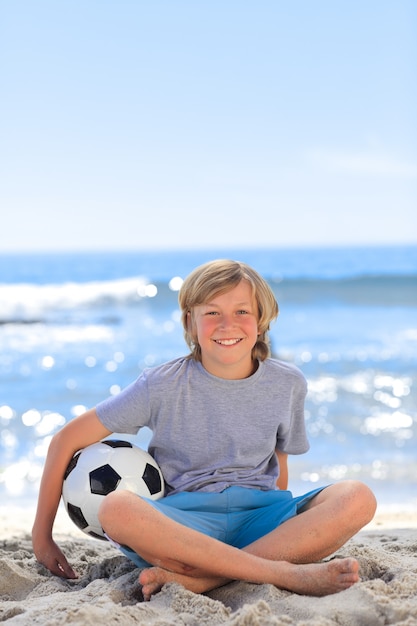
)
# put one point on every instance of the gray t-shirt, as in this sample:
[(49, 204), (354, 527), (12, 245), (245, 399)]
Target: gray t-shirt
[(210, 433)]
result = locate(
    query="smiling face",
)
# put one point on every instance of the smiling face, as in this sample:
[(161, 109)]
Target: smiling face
[(226, 328)]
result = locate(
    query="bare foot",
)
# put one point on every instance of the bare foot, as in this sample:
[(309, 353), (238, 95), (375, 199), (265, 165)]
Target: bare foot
[(154, 578), (321, 579), (315, 579)]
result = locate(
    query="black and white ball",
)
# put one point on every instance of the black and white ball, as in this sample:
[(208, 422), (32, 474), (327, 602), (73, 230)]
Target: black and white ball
[(101, 468)]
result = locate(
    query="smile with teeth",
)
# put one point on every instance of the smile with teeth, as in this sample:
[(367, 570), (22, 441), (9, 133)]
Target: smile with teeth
[(227, 342)]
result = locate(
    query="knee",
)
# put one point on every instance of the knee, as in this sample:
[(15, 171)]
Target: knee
[(112, 508), (360, 499)]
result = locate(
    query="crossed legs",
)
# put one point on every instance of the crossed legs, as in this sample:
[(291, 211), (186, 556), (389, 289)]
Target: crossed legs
[(286, 557)]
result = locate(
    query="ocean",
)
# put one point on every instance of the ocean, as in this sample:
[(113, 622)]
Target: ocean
[(77, 327)]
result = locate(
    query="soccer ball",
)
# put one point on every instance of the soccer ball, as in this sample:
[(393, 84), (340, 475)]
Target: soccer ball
[(101, 468)]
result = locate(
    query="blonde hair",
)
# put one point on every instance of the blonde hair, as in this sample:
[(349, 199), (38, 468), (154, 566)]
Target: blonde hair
[(215, 278)]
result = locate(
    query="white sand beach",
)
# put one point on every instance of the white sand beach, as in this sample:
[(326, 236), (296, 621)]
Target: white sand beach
[(107, 590)]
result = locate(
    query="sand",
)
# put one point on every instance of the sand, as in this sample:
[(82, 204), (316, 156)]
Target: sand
[(107, 591)]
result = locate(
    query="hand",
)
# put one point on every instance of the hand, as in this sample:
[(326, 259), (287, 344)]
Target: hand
[(49, 554)]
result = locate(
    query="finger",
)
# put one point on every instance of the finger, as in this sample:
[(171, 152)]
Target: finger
[(63, 569), (67, 570)]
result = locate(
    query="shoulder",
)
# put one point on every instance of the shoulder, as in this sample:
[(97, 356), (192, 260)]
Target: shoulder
[(283, 369), (171, 370)]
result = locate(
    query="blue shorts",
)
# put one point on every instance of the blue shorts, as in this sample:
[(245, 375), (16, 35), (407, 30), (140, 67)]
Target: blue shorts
[(237, 516)]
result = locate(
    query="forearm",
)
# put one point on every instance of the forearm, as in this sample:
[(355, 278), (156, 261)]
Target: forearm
[(76, 435), (44, 547), (51, 487)]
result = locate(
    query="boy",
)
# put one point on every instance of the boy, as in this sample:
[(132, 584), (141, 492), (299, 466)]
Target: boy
[(224, 419)]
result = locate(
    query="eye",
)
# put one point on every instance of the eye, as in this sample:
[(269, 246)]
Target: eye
[(243, 312), (212, 313)]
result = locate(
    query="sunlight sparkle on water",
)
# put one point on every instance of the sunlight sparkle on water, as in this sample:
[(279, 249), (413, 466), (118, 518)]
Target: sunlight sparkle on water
[(8, 439), (400, 387), (44, 423), (387, 399), (387, 422), (323, 389), (16, 476), (47, 362), (49, 423), (78, 409), (175, 283), (147, 291), (41, 448), (6, 414), (31, 417)]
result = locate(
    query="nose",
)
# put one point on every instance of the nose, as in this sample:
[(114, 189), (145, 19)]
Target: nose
[(226, 321)]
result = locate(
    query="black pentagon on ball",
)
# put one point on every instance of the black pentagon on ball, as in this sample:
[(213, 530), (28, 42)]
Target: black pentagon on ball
[(103, 480), (152, 479), (96, 535), (76, 516), (117, 443), (71, 465)]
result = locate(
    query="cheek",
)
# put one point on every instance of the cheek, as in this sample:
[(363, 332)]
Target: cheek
[(203, 326), (254, 330)]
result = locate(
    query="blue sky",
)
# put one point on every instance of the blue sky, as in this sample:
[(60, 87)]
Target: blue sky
[(189, 123)]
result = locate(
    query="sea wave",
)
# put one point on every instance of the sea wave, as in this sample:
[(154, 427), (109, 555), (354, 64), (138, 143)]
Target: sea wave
[(30, 303)]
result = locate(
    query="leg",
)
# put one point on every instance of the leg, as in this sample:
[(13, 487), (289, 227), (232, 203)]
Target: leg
[(200, 562), (325, 524)]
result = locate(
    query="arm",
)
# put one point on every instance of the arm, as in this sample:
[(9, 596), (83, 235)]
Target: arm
[(77, 434), (282, 482)]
